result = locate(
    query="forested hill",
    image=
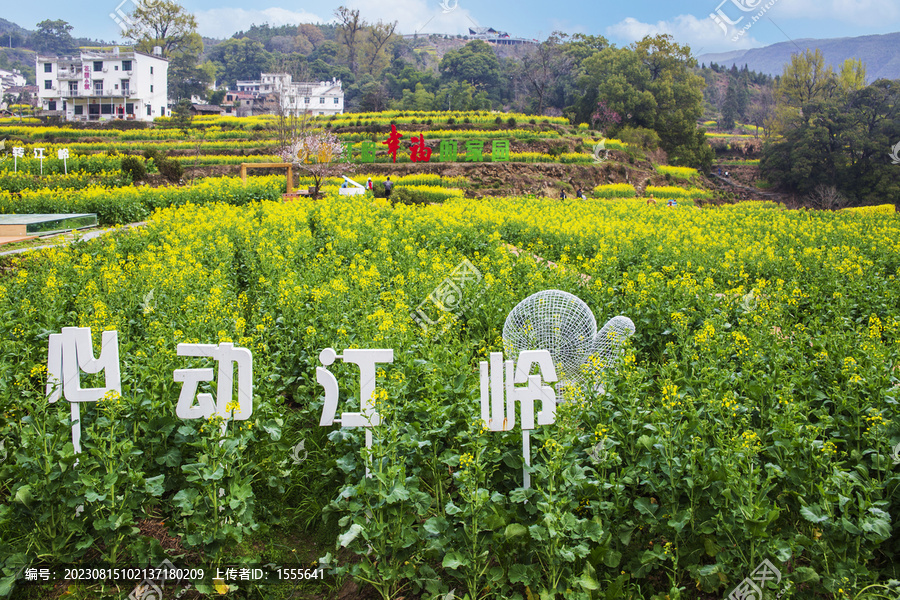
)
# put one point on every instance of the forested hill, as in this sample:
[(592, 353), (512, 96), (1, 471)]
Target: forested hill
[(878, 52)]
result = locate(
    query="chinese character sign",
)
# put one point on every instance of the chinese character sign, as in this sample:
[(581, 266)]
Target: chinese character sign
[(87, 77), (473, 150), (63, 155), (367, 152), (419, 152), (499, 395), (498, 379), (226, 355), (447, 150), (393, 142), (18, 152), (39, 154), (500, 150), (366, 360), (69, 353)]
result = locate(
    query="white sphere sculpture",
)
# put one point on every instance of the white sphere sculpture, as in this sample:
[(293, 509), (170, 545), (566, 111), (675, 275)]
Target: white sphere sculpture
[(563, 324), (609, 340), (556, 321)]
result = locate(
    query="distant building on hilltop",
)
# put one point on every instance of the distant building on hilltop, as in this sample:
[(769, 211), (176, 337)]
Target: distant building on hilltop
[(489, 34), (296, 97), (103, 83)]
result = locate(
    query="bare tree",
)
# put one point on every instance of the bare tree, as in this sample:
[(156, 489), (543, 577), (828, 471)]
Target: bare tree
[(542, 69), (350, 25), (379, 35), (827, 197)]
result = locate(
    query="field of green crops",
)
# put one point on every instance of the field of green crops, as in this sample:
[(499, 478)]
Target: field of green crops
[(750, 423)]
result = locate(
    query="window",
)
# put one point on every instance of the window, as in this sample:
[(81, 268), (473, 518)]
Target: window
[(126, 65), (51, 105), (337, 101), (306, 100), (73, 88), (117, 86), (151, 89), (162, 111), (116, 68), (151, 70), (129, 108), (106, 109), (98, 65), (79, 109), (98, 87), (126, 86), (48, 84), (94, 109), (149, 111), (48, 67), (321, 100)]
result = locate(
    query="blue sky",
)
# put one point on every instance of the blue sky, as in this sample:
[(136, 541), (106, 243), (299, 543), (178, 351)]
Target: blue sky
[(621, 22)]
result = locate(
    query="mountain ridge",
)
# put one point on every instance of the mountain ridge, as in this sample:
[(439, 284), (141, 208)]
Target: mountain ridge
[(878, 52)]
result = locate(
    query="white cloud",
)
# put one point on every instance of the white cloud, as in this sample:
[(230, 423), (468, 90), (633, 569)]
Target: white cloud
[(419, 16), (702, 35), (225, 22), (858, 12)]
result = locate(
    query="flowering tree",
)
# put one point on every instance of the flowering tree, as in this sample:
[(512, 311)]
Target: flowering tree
[(605, 117), (318, 153)]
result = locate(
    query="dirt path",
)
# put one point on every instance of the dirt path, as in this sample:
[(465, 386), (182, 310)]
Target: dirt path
[(750, 193)]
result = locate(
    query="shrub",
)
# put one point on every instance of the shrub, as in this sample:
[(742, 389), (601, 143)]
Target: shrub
[(134, 167), (171, 169), (556, 149), (640, 137), (153, 154), (511, 121)]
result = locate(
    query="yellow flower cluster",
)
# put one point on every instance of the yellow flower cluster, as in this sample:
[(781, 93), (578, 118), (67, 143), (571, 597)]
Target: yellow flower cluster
[(679, 172), (466, 460), (749, 441), (881, 209), (615, 190)]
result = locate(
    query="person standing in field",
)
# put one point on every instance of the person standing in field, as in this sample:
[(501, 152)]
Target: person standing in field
[(651, 200), (369, 185), (388, 186)]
